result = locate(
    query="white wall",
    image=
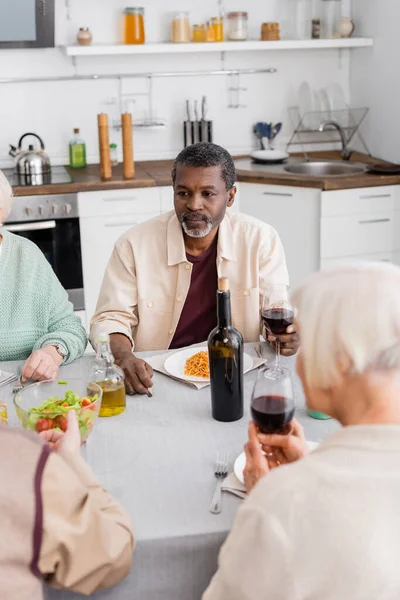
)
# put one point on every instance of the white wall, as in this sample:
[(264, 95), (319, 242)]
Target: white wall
[(375, 75), (54, 109)]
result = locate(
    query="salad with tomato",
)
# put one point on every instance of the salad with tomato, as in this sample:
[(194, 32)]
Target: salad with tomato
[(51, 414)]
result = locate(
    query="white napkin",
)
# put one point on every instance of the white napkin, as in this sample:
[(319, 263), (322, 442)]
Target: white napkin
[(233, 486), (157, 362), (6, 378)]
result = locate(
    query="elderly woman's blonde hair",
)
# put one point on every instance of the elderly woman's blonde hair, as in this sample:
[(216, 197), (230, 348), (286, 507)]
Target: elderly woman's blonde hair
[(5, 195), (349, 318)]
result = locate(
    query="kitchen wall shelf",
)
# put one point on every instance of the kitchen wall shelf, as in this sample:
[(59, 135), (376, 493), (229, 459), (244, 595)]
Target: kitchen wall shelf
[(168, 48)]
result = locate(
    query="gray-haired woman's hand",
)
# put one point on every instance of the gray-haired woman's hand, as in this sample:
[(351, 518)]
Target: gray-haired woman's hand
[(70, 441), (285, 448)]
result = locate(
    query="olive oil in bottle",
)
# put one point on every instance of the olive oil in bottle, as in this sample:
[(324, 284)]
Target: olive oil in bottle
[(109, 377), (77, 152), (225, 354)]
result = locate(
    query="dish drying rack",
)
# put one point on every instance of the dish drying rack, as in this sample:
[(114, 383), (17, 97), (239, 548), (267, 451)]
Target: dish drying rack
[(306, 127)]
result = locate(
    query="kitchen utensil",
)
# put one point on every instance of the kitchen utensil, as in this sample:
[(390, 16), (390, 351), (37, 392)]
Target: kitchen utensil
[(220, 472), (187, 127), (104, 147), (19, 385), (196, 125), (127, 146), (262, 130), (275, 129), (205, 125), (30, 162), (175, 364), (265, 157), (384, 169), (31, 396)]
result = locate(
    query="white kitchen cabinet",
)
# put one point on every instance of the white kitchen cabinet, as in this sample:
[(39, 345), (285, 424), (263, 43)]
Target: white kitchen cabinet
[(295, 214), (104, 217), (360, 224)]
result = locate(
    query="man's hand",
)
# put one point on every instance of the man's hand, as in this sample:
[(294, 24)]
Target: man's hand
[(137, 372), (42, 364), (285, 448), (70, 441), (289, 343)]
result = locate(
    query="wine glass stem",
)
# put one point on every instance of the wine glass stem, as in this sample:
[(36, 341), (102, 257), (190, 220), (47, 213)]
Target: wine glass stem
[(278, 356)]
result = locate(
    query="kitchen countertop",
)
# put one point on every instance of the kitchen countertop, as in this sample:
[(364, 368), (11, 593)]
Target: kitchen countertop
[(158, 173)]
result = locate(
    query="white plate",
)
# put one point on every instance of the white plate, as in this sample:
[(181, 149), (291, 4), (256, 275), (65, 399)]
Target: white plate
[(306, 103), (336, 97), (175, 364), (269, 155), (240, 462), (325, 104)]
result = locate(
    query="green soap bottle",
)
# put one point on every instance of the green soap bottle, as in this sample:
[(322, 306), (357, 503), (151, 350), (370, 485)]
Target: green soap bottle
[(77, 152)]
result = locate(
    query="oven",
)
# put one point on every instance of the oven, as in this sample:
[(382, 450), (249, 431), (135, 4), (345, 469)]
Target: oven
[(52, 223)]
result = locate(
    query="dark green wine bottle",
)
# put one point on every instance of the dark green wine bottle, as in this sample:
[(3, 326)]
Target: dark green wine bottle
[(225, 353)]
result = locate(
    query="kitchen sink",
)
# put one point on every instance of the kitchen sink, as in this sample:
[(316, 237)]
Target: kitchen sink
[(326, 169)]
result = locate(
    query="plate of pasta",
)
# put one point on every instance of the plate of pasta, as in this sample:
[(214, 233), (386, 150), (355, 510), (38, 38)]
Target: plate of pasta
[(191, 364)]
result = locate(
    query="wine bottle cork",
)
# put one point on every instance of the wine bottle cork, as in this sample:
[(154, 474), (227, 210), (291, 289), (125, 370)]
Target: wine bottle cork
[(104, 147), (127, 146), (223, 284)]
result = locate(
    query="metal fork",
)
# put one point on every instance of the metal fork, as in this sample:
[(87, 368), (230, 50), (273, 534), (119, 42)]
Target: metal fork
[(220, 472), (19, 385)]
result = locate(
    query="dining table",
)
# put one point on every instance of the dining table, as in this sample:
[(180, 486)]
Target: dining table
[(158, 458)]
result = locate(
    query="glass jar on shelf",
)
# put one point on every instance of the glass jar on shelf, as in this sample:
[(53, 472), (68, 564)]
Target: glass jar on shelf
[(134, 25), (330, 18), (198, 33), (300, 20), (218, 26), (237, 26), (180, 28), (210, 33)]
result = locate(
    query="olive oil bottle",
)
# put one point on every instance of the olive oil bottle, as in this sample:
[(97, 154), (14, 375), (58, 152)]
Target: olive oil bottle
[(109, 377), (225, 354), (77, 152)]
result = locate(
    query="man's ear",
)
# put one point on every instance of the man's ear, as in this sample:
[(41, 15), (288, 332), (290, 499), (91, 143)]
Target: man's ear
[(231, 196)]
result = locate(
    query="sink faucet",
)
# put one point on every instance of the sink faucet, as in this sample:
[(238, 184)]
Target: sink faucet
[(346, 153)]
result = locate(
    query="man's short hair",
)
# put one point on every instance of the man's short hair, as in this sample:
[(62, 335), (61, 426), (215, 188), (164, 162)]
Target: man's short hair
[(205, 154)]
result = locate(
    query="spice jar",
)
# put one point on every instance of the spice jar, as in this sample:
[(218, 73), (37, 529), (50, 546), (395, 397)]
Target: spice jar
[(84, 37), (180, 28), (237, 26), (134, 25), (198, 33)]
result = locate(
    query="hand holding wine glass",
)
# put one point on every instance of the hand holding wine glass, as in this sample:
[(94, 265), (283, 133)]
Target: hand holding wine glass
[(285, 448), (272, 403), (277, 315)]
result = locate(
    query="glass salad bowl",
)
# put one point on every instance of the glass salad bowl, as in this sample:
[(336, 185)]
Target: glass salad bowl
[(44, 405)]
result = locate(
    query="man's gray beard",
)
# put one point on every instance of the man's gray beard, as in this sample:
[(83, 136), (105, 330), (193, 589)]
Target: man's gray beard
[(196, 233)]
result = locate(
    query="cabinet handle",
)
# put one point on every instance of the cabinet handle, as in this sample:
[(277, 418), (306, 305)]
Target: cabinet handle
[(376, 196), (286, 194), (119, 199), (374, 221), (40, 226), (120, 224)]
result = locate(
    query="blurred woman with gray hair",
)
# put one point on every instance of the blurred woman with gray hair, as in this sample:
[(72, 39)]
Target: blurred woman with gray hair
[(327, 525), (37, 323)]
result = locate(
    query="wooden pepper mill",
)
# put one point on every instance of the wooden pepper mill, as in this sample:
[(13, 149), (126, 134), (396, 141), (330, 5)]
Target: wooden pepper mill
[(127, 146), (104, 147)]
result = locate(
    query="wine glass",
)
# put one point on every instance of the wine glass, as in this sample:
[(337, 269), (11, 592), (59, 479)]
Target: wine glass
[(272, 402), (277, 314)]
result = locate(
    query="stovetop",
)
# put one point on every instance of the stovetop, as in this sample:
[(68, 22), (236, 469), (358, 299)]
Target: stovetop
[(56, 175)]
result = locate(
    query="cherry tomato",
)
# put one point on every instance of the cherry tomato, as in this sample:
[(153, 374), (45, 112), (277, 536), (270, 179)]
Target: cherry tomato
[(63, 423), (86, 402), (44, 425)]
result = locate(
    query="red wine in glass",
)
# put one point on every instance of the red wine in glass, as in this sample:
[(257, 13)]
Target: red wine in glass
[(276, 320), (272, 413)]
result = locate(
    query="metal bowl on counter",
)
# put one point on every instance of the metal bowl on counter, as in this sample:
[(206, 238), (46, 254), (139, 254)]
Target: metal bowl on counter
[(334, 168)]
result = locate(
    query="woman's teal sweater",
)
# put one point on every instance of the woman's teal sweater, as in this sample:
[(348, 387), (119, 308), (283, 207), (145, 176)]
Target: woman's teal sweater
[(34, 307)]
